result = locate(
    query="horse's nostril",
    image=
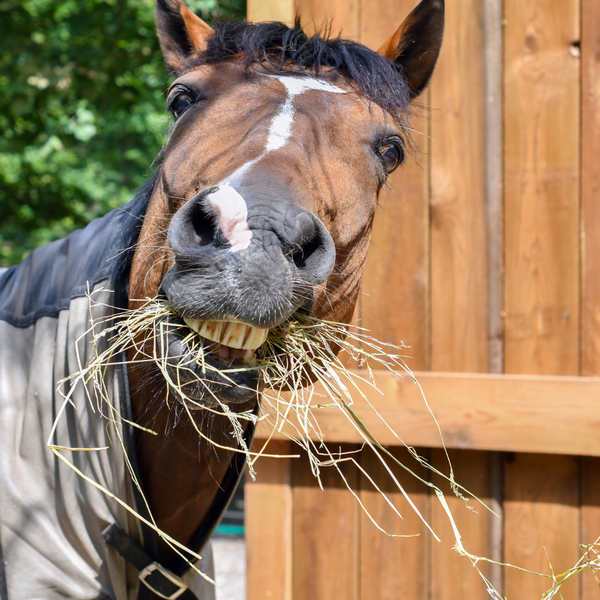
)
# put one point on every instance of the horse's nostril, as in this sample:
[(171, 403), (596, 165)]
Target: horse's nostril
[(193, 228), (303, 253), (313, 251), (203, 226)]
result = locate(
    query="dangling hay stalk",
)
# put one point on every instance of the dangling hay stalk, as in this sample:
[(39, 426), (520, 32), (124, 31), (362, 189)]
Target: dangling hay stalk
[(302, 350)]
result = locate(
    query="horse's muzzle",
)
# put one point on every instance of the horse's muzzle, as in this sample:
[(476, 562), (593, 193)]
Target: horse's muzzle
[(246, 257)]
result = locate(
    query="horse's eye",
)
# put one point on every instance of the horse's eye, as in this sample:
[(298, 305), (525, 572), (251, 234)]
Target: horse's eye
[(180, 103), (392, 154)]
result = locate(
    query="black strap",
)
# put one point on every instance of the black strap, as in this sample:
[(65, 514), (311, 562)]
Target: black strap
[(3, 585), (152, 574), (149, 538)]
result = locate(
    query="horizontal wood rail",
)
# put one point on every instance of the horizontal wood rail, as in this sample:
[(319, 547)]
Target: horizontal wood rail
[(514, 413)]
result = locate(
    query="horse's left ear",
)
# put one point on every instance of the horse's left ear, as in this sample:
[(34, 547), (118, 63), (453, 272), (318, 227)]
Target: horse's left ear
[(416, 44), (181, 33)]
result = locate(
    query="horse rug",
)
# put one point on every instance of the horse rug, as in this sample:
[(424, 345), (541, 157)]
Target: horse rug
[(51, 518)]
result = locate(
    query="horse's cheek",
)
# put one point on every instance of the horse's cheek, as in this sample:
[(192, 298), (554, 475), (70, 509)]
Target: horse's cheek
[(152, 260)]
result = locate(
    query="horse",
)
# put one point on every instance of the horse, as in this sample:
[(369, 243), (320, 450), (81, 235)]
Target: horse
[(260, 209)]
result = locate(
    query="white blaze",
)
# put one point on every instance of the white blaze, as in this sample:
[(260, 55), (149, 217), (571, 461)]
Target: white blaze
[(226, 201), (281, 125), (280, 129)]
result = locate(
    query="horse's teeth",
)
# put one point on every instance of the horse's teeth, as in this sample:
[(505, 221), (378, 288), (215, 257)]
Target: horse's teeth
[(229, 333)]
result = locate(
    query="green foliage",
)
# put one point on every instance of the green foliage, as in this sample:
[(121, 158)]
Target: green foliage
[(81, 111)]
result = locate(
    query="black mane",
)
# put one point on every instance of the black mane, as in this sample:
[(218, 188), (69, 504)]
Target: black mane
[(277, 48)]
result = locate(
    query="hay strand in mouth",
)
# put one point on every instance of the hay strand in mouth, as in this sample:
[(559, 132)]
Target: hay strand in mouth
[(301, 350)]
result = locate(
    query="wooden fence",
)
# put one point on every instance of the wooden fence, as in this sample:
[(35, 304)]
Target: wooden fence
[(485, 260)]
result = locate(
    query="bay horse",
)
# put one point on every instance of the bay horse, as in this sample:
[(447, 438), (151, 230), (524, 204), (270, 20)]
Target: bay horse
[(261, 209)]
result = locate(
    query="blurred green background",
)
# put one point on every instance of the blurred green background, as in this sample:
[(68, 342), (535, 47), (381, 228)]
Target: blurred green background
[(82, 112)]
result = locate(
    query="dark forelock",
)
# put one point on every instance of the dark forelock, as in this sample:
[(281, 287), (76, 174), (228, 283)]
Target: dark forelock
[(277, 48)]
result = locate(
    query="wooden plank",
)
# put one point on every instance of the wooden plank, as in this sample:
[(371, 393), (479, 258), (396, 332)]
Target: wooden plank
[(325, 533), (541, 512), (341, 16), (271, 10), (459, 289), (392, 567), (491, 412), (590, 522), (452, 576), (268, 527), (541, 517), (380, 20), (542, 101), (590, 187), (395, 290)]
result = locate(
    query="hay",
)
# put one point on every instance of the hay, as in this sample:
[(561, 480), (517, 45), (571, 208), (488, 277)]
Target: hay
[(299, 351)]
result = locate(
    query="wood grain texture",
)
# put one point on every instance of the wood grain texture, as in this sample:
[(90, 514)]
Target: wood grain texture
[(590, 522), (271, 10), (459, 306), (380, 20), (395, 290), (590, 187), (541, 523), (541, 156), (268, 527), (393, 568), (452, 575), (342, 17), (475, 411), (325, 533)]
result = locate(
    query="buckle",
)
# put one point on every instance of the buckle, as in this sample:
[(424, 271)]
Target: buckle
[(162, 582)]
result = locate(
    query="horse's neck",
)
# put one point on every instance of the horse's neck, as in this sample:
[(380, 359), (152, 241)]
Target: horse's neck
[(180, 471)]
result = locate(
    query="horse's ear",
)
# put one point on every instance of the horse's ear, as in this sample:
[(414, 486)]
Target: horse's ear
[(181, 33), (416, 44)]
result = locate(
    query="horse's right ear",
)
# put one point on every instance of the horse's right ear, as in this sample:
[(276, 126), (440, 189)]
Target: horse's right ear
[(415, 46), (181, 33)]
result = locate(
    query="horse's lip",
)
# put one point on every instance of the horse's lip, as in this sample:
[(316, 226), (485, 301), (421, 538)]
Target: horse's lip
[(232, 334)]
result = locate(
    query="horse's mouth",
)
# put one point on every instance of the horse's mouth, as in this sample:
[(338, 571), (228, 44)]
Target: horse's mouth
[(213, 361), (229, 339)]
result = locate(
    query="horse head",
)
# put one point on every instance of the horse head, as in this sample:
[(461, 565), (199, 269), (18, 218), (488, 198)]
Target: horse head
[(268, 185)]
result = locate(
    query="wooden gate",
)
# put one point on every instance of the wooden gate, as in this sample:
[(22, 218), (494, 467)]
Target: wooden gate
[(486, 261)]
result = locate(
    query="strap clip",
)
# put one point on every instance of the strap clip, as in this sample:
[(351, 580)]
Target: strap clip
[(162, 582)]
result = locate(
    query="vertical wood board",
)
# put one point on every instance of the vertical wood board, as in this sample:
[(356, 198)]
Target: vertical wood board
[(590, 524), (541, 523), (459, 306), (452, 576), (325, 532), (268, 527), (393, 568), (341, 17), (590, 187), (395, 291), (542, 187), (271, 10)]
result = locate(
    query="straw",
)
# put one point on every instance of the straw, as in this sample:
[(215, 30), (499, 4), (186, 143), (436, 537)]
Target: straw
[(301, 350)]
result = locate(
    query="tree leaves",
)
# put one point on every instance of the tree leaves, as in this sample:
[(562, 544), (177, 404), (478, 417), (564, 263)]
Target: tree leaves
[(81, 111)]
